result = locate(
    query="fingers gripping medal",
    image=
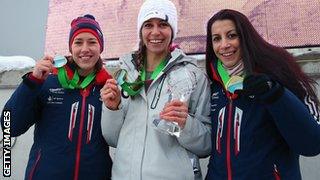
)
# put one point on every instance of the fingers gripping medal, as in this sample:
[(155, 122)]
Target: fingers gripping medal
[(131, 88), (59, 61)]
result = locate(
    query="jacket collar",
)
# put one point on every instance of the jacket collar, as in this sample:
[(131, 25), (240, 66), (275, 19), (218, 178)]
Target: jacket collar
[(126, 62), (101, 76), (216, 77)]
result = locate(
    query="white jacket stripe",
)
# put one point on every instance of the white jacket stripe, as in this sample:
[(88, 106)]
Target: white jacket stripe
[(313, 109)]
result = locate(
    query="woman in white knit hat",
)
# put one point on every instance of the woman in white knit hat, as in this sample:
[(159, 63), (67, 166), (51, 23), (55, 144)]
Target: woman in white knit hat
[(137, 113)]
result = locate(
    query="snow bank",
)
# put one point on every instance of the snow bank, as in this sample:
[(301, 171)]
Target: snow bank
[(8, 63)]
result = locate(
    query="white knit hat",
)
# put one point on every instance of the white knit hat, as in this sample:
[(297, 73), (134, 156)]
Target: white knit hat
[(162, 9)]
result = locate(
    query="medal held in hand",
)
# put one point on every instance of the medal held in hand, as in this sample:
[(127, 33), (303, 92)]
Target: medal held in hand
[(234, 83), (59, 61)]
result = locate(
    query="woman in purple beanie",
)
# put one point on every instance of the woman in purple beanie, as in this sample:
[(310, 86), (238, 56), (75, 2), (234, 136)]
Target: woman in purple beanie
[(62, 101)]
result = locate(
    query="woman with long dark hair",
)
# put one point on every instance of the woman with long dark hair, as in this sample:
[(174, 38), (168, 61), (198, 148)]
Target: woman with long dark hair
[(264, 109)]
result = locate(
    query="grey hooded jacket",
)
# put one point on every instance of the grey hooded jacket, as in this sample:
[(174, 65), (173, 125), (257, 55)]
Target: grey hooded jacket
[(142, 152)]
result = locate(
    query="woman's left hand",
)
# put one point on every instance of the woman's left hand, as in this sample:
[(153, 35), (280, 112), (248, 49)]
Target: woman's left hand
[(175, 111)]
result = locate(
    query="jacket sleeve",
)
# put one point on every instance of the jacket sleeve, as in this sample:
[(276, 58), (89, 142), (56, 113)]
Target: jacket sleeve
[(298, 123), (196, 135), (23, 107), (111, 123)]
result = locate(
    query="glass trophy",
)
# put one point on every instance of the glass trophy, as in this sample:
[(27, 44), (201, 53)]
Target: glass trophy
[(181, 83)]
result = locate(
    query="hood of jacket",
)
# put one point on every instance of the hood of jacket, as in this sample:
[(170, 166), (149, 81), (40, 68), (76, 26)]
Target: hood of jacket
[(177, 57)]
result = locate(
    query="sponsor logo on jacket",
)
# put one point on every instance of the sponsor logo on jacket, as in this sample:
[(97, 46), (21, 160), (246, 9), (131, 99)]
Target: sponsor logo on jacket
[(56, 90), (54, 100)]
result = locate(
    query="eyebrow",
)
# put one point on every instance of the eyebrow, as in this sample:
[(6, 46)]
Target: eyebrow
[(88, 39), (227, 32), (232, 30)]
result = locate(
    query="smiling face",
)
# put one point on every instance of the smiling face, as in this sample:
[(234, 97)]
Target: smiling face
[(156, 35), (85, 51), (226, 42)]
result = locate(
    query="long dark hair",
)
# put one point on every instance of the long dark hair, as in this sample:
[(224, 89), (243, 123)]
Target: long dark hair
[(259, 56)]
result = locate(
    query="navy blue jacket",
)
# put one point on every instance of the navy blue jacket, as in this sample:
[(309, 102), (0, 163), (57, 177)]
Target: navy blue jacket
[(68, 143), (254, 140)]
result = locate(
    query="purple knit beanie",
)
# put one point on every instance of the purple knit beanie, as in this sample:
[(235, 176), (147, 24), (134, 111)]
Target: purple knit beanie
[(86, 23)]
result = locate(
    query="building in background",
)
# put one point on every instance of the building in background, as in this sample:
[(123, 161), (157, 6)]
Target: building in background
[(292, 23)]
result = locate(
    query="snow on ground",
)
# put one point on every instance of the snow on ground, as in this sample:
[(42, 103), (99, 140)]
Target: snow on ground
[(8, 63)]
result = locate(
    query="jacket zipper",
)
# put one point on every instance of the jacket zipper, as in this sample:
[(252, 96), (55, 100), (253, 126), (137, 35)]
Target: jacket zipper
[(84, 94), (230, 96), (276, 172), (229, 170)]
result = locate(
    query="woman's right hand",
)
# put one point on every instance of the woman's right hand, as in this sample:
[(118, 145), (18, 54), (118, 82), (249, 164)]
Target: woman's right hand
[(110, 94), (43, 68)]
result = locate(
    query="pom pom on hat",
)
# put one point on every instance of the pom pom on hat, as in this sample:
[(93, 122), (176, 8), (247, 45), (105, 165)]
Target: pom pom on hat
[(162, 9), (86, 23)]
